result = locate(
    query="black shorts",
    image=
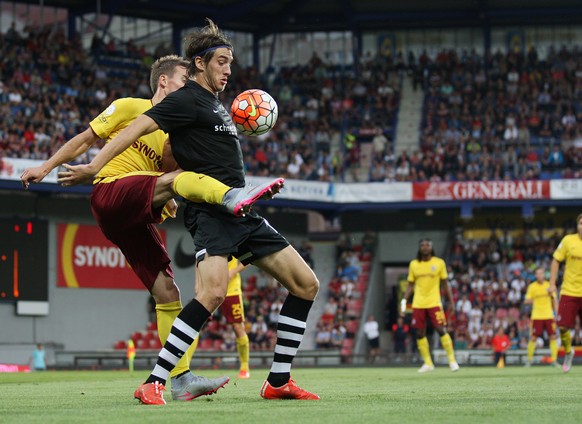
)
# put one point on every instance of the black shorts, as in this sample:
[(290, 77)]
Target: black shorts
[(247, 238), (374, 343)]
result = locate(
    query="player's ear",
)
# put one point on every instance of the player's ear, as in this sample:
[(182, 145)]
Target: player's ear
[(163, 81), (199, 63)]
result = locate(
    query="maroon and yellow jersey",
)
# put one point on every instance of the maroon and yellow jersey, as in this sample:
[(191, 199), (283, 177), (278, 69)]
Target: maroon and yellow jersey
[(426, 277), (542, 300), (570, 250), (144, 156), (232, 308), (235, 283)]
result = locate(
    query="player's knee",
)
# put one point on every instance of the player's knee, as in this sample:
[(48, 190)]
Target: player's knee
[(212, 297), (165, 290), (166, 296), (308, 288)]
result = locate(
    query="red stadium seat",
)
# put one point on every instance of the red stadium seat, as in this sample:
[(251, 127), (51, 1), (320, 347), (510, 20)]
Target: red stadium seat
[(205, 344), (365, 256), (120, 344)]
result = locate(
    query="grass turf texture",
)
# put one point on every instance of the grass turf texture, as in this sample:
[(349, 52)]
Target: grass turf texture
[(349, 395)]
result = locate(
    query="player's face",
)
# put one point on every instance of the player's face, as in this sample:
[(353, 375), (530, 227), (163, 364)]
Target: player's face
[(217, 71), (425, 248), (540, 275), (177, 80), (580, 227)]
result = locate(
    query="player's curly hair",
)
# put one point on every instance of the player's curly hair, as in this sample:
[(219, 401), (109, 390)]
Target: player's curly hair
[(165, 65), (203, 42)]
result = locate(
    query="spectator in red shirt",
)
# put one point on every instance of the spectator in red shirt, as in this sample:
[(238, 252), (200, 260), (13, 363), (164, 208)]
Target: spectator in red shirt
[(500, 344), (400, 332)]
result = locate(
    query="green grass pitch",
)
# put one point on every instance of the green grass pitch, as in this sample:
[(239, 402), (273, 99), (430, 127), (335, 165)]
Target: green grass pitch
[(349, 395)]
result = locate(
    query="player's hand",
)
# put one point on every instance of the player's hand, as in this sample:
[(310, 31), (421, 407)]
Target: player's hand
[(75, 174), (32, 175), (170, 210), (552, 288)]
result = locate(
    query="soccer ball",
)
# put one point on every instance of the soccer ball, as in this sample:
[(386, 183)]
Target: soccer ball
[(254, 112)]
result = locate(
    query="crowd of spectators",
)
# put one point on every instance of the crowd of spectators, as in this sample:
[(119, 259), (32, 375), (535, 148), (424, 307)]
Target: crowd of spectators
[(502, 116), (341, 317), (50, 89)]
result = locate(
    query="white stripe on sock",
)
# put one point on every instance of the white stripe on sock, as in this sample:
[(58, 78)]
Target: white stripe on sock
[(292, 321), (179, 343), (280, 367), (284, 350), (168, 356), (287, 335), (160, 372), (185, 328)]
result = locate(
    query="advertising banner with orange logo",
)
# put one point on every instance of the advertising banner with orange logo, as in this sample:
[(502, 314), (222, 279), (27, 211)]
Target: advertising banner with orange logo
[(86, 259)]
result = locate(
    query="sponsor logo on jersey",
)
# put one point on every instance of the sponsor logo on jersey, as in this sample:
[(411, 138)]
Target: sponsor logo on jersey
[(229, 128), (148, 152)]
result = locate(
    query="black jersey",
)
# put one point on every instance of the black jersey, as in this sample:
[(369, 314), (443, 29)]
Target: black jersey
[(202, 135)]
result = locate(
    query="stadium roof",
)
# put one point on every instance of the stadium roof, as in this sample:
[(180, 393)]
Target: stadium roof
[(263, 17)]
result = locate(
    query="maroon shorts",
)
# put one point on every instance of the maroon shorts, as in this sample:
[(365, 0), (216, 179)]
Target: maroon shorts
[(539, 325), (569, 307), (123, 209), (232, 309), (436, 316)]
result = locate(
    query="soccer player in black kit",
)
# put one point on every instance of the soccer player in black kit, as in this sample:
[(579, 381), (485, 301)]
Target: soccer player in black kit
[(204, 139)]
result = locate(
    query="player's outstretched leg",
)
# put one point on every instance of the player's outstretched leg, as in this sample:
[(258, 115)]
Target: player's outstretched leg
[(190, 386), (288, 391), (239, 201)]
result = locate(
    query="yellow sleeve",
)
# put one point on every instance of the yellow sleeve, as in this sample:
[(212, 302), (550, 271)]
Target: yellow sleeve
[(411, 278), (121, 111), (528, 292), (560, 253)]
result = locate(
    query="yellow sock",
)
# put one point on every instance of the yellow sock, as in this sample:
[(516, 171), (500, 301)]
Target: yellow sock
[(166, 314), (554, 350), (243, 347), (424, 350), (447, 343), (566, 338), (531, 348), (199, 188)]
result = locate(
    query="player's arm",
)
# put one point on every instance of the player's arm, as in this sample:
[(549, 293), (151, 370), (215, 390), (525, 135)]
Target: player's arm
[(169, 164), (142, 125), (448, 294), (554, 269), (404, 301), (75, 147)]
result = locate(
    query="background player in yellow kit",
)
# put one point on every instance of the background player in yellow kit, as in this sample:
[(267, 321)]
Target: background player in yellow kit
[(233, 310), (544, 308), (569, 251), (426, 275)]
